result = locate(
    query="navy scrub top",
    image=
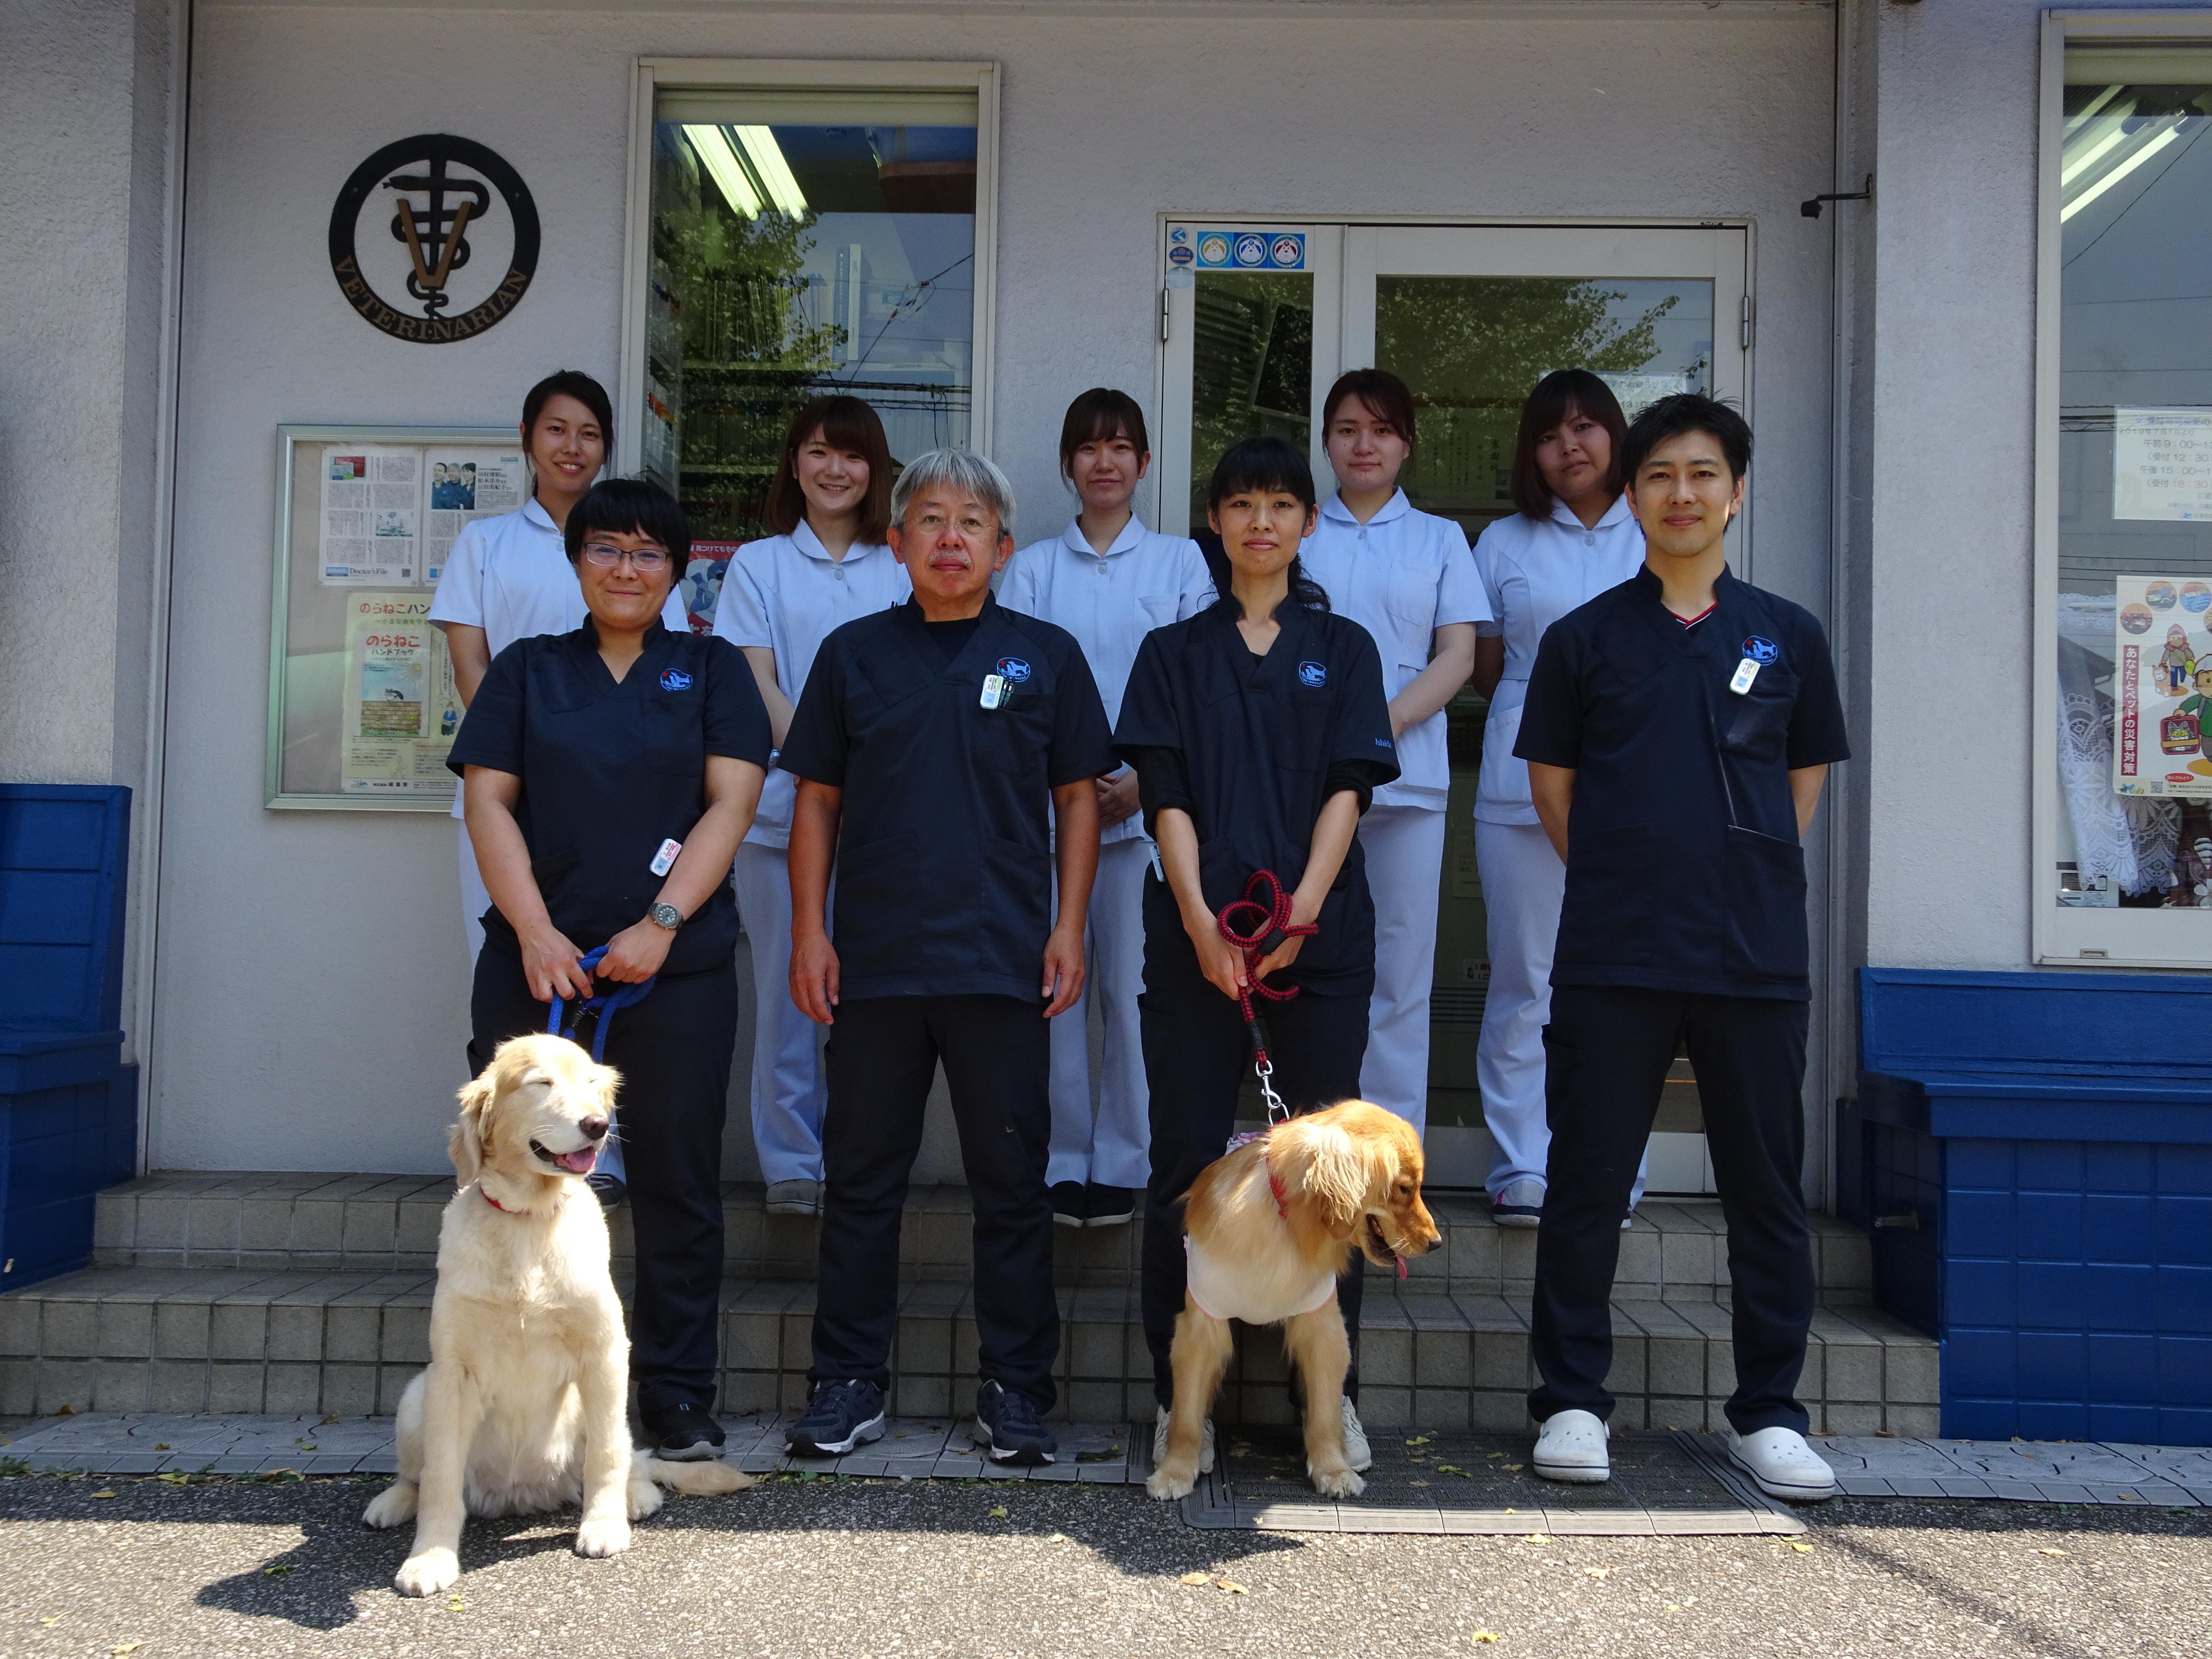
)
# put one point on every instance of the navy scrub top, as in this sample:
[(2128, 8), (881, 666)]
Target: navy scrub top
[(945, 862), (1263, 745), (1684, 871), (610, 770)]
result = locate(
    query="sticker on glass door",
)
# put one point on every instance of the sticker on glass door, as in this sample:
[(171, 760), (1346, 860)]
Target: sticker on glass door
[(1251, 250)]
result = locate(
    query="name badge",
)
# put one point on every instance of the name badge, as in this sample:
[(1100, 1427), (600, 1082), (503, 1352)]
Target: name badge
[(665, 859), (996, 690), (1746, 672)]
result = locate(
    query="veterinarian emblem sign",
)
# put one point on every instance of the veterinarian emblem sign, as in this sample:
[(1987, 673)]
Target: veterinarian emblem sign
[(434, 239)]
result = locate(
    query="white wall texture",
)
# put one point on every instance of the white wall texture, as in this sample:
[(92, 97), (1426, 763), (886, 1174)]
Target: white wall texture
[(312, 1002)]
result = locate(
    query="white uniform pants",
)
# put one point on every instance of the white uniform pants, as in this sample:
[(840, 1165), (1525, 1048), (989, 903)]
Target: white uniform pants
[(1405, 850), (788, 1090), (1114, 1149), (1524, 886), (475, 901)]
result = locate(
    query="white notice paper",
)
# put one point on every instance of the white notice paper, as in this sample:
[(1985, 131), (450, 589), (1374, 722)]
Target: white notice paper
[(2162, 464), (371, 508)]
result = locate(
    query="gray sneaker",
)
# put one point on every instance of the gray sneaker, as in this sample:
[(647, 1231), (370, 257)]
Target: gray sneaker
[(794, 1198)]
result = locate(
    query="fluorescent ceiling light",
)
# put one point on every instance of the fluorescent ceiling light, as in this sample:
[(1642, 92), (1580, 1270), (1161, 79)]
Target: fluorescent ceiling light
[(767, 158), (2166, 137), (2098, 102), (2089, 157), (711, 146)]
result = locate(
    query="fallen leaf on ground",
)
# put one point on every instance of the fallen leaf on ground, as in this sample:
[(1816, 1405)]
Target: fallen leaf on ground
[(122, 1648), (1231, 1586), (1670, 1606), (999, 1513), (1454, 1469), (1482, 1636), (2050, 1552), (50, 1623), (327, 1421), (1419, 1440), (1057, 1538), (1599, 1572), (1197, 1578), (161, 1446), (454, 1604), (1799, 1544), (278, 1570), (1535, 1538), (103, 1494), (1515, 1467)]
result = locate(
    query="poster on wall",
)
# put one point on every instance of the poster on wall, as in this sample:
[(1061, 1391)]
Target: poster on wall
[(2162, 464), (371, 508), (401, 711), (462, 485), (2162, 686)]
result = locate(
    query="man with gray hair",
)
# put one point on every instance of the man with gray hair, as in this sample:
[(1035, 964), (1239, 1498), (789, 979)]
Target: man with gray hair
[(938, 746)]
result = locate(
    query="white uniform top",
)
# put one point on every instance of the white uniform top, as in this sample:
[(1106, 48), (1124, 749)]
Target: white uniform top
[(1401, 575), (786, 593), (1145, 582), (511, 577), (1535, 574)]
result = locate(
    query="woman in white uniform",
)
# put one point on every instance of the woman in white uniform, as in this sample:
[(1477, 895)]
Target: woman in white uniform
[(1406, 577), (1110, 581), (509, 579), (831, 501), (1572, 538)]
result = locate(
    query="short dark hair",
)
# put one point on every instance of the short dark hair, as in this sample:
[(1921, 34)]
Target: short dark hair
[(1687, 411), (1095, 417), (845, 423), (631, 507), (1388, 398), (1262, 465), (1562, 392), (573, 383)]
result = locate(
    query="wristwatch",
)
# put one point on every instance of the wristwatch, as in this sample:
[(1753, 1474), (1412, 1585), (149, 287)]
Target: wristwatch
[(665, 915)]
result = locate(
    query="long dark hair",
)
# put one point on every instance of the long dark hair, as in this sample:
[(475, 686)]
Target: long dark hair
[(1097, 417), (570, 383), (845, 423), (1266, 465), (1563, 393)]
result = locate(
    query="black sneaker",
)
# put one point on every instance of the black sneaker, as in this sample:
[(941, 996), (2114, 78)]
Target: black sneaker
[(1108, 1207), (683, 1434), (608, 1189), (839, 1417), (1010, 1429), (1068, 1203)]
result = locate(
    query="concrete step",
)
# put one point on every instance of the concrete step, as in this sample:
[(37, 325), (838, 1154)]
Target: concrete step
[(136, 1338), (1675, 1251)]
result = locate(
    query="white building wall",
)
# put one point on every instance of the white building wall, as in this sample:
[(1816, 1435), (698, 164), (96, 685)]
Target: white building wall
[(312, 1003)]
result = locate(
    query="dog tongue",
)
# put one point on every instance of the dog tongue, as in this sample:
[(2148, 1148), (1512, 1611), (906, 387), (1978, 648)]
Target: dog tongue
[(580, 1162), (1401, 1264)]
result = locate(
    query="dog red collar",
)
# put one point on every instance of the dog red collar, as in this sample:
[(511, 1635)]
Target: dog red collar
[(496, 1205), (1275, 1186)]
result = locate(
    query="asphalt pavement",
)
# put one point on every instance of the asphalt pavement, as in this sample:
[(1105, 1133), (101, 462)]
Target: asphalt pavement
[(886, 1569)]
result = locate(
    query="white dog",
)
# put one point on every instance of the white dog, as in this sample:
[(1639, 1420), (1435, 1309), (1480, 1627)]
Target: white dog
[(525, 1405)]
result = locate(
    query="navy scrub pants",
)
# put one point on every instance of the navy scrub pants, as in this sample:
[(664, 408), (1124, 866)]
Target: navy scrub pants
[(1197, 1057), (673, 1050), (883, 1056), (1606, 1052)]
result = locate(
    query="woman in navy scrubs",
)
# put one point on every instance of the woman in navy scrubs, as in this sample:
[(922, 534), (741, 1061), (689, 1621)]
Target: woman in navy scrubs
[(585, 757), (1258, 731)]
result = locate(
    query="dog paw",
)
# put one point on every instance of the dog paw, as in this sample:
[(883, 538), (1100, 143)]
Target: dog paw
[(427, 1573), (602, 1536), (391, 1507), (1167, 1482), (1337, 1483), (645, 1499)]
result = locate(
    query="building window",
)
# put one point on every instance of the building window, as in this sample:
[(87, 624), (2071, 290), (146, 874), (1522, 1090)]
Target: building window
[(803, 239), (2128, 559)]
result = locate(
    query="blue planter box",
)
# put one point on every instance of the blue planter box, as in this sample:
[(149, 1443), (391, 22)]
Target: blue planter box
[(2037, 1163), (69, 1108)]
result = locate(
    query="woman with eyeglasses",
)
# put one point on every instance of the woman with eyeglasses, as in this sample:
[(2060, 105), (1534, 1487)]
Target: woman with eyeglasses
[(507, 578), (609, 774)]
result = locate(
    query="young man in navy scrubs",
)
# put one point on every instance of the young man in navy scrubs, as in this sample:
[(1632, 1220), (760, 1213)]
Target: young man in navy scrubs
[(1678, 730), (945, 749)]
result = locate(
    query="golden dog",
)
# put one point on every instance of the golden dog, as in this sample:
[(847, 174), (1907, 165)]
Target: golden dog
[(525, 1405), (1269, 1228)]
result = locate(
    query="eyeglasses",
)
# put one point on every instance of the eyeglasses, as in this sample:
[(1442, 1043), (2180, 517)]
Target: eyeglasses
[(645, 560)]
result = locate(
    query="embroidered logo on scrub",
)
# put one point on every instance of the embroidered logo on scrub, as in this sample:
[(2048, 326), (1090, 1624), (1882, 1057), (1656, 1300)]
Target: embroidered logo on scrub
[(1014, 669), (1761, 652), (1313, 674), (675, 679)]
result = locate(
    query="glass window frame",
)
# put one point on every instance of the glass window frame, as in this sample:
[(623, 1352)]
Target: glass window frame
[(803, 74), (2078, 937)]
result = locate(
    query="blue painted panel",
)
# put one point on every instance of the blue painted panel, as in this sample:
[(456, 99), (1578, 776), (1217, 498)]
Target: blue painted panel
[(2048, 1420), (1910, 1018), (2184, 1371), (63, 849)]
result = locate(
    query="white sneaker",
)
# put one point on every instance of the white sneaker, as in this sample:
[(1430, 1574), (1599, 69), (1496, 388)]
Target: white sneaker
[(1160, 1441), (1356, 1452), (1783, 1464), (1571, 1446)]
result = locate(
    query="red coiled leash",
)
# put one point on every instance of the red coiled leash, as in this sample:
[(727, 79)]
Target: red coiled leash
[(1257, 926)]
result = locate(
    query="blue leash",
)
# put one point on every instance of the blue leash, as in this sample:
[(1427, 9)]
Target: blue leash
[(603, 1003)]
